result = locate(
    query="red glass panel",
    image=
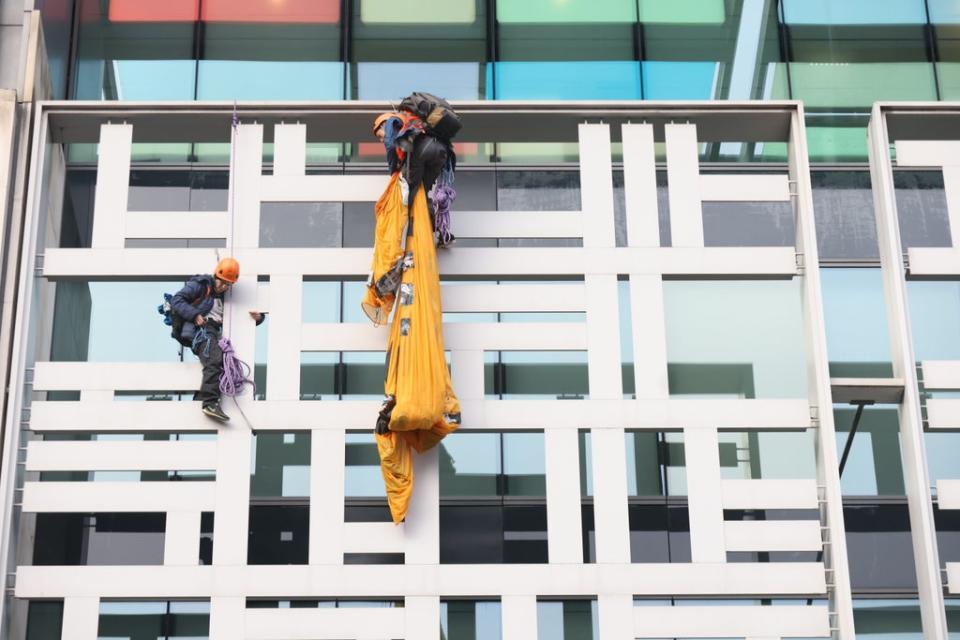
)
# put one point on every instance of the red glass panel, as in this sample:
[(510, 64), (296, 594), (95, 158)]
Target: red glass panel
[(290, 11), (153, 11)]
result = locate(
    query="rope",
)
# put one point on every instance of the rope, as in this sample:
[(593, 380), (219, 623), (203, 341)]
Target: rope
[(443, 196), (201, 337), (236, 373)]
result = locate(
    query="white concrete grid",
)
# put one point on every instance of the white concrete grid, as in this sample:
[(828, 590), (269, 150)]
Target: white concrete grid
[(422, 581)]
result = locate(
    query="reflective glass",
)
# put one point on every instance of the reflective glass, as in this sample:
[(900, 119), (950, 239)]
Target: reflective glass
[(99, 539), (922, 209), (538, 374), (879, 547), (843, 208), (45, 620), (887, 619), (493, 533), (943, 451), (704, 50), (470, 620), (281, 464), (573, 11), (279, 534), (470, 464), (301, 224), (874, 464), (154, 619), (947, 523), (858, 342), (567, 620), (934, 319), (57, 18), (362, 476), (428, 11), (736, 339), (269, 79), (567, 80), (855, 12)]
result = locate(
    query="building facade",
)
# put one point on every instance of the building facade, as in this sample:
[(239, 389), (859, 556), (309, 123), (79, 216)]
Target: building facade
[(703, 317)]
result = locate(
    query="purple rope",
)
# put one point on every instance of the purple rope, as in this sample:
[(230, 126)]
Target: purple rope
[(443, 197), (236, 372)]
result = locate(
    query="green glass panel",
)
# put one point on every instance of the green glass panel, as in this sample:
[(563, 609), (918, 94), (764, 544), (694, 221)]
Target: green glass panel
[(874, 464), (837, 144), (949, 76), (735, 339), (427, 11), (583, 11), (280, 465), (841, 84), (682, 11)]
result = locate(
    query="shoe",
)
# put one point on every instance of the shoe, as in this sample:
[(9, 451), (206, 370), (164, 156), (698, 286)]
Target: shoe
[(215, 412)]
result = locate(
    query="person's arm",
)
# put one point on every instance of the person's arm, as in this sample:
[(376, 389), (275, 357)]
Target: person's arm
[(258, 316), (182, 301)]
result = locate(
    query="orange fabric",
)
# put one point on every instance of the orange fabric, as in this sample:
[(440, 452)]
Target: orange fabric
[(426, 407)]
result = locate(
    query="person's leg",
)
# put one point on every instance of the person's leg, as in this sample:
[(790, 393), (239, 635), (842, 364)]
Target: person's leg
[(212, 361)]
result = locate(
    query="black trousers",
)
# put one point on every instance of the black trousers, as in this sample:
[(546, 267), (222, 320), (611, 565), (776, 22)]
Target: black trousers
[(424, 166), (212, 361)]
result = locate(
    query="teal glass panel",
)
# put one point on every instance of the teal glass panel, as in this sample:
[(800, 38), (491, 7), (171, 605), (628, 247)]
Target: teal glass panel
[(858, 340), (874, 464), (270, 80), (470, 464), (837, 137), (663, 80), (524, 464), (851, 84), (935, 319), (575, 80), (318, 375), (682, 12), (943, 451), (567, 620), (470, 620), (154, 619), (944, 11), (729, 53), (427, 11), (391, 80), (136, 80), (735, 339), (859, 12), (321, 301), (281, 465), (948, 75), (887, 619), (543, 374), (362, 476), (572, 11)]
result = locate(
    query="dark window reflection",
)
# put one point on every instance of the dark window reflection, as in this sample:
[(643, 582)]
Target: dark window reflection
[(157, 619), (843, 209), (493, 534), (922, 209), (45, 620), (879, 547), (279, 534), (99, 539), (567, 619), (301, 224), (948, 534)]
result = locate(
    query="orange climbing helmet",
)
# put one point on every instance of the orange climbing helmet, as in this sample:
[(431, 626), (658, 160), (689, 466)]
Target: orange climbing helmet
[(228, 270), (383, 117)]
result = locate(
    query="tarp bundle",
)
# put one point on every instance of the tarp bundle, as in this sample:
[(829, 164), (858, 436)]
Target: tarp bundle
[(417, 386)]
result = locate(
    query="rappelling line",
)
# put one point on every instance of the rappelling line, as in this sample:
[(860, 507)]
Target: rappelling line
[(236, 373)]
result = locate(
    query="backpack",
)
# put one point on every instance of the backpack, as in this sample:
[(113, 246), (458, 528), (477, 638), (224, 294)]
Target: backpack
[(437, 114), (173, 319)]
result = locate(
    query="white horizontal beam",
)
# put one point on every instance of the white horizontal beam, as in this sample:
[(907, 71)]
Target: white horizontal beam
[(116, 376), (176, 224), (773, 535), (324, 623), (320, 581), (943, 413), (516, 261), (927, 153), (330, 188), (374, 537), (953, 577), (769, 494), (941, 374), (948, 494), (117, 497), (121, 456), (509, 298), (518, 224), (731, 621), (737, 187), (466, 335), (652, 414), (934, 261)]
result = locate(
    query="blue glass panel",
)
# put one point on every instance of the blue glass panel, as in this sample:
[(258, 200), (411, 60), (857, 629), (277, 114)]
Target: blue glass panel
[(270, 80), (594, 80), (152, 79), (944, 11), (858, 342), (393, 80), (935, 319), (668, 80), (854, 12)]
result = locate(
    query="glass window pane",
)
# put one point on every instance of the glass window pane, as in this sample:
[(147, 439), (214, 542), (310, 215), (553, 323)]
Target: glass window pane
[(266, 11), (99, 539), (391, 80), (843, 207), (738, 339), (568, 80), (432, 11), (874, 464), (470, 464), (281, 464), (279, 534), (855, 12), (470, 620), (45, 620), (879, 548), (575, 11), (858, 342), (154, 619), (922, 209), (524, 465), (301, 224), (321, 301), (362, 467), (934, 319), (269, 79), (567, 620), (318, 371), (887, 619)]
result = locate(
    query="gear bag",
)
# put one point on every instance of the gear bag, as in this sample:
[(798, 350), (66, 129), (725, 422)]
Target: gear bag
[(437, 114)]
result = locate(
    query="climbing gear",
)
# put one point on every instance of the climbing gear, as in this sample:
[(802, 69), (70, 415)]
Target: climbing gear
[(215, 412), (236, 373), (201, 342), (420, 407), (173, 319), (443, 196), (383, 117), (228, 270), (440, 118)]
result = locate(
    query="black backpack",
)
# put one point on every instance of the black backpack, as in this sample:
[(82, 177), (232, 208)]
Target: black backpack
[(173, 319), (440, 118)]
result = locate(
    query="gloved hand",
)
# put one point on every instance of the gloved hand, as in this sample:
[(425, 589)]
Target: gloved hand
[(404, 191)]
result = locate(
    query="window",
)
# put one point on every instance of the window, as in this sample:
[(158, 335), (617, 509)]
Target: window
[(164, 620), (470, 620), (567, 620)]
